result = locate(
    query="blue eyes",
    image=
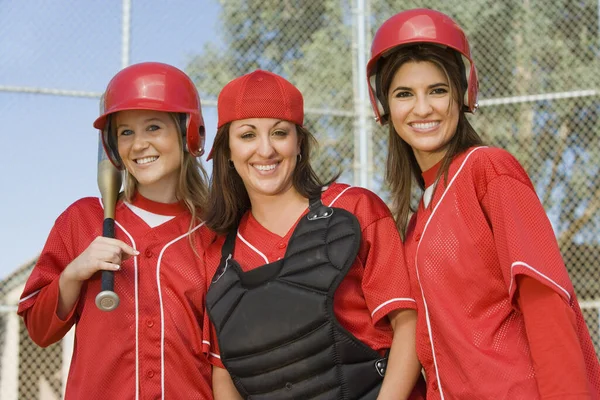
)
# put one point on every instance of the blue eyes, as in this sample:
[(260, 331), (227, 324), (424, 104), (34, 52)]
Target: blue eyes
[(128, 132)]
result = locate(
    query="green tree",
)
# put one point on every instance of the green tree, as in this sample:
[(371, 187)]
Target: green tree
[(521, 48), (306, 42)]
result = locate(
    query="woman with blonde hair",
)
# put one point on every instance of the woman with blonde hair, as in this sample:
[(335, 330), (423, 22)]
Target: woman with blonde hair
[(150, 345)]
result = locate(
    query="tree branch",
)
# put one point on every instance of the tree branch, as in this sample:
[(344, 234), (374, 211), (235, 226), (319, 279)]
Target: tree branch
[(590, 211)]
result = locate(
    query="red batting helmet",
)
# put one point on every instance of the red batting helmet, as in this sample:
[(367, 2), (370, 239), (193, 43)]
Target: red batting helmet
[(153, 86), (420, 25)]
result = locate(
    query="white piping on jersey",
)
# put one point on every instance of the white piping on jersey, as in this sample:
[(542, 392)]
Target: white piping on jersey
[(386, 302), (162, 311), (135, 288), (437, 374), (391, 301), (523, 264), (215, 355), (252, 247), (338, 196), (30, 296), (259, 252)]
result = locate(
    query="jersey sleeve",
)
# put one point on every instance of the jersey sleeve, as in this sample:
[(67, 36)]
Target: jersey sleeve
[(560, 367), (524, 239), (210, 345), (39, 300), (386, 284)]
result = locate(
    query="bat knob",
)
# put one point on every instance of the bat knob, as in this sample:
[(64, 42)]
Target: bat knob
[(107, 300)]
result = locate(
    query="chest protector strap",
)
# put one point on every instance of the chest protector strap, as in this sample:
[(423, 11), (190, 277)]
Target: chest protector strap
[(277, 332)]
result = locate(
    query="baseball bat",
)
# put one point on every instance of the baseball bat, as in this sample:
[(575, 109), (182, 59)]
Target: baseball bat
[(109, 183)]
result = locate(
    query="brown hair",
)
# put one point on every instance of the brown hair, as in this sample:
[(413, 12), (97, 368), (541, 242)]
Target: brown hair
[(402, 168), (192, 187), (228, 199)]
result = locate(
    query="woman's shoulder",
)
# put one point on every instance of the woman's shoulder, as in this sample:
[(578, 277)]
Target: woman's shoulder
[(484, 164), (490, 162), (207, 235), (358, 200), (85, 205), (85, 211)]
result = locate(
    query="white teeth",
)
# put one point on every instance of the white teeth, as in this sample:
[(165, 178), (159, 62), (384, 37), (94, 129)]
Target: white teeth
[(425, 125), (146, 160), (265, 167)]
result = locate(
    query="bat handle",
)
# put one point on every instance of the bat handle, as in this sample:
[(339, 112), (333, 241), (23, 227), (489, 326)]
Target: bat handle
[(107, 299)]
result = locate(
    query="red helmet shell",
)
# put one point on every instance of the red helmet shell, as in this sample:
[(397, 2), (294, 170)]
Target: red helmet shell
[(420, 25), (153, 86)]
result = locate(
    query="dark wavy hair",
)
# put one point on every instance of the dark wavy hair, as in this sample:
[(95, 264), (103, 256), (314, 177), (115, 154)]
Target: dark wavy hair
[(227, 197)]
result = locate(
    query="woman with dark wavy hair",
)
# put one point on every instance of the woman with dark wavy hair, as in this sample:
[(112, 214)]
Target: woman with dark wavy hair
[(309, 296), (497, 313)]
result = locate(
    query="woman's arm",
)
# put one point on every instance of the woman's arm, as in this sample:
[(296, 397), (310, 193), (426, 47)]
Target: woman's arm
[(223, 387), (403, 367), (558, 361), (102, 254)]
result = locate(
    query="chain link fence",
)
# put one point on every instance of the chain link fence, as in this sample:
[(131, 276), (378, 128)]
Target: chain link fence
[(538, 64)]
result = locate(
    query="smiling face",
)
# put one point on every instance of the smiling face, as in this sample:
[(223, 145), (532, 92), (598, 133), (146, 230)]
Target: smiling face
[(423, 111), (150, 147), (264, 152)]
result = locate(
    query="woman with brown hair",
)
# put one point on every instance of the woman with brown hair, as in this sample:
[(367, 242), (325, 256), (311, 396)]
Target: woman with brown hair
[(309, 296), (497, 314)]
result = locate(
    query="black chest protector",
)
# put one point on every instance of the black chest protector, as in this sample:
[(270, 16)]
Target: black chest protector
[(277, 332)]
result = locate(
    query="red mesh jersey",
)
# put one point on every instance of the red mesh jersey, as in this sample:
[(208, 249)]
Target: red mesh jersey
[(485, 226), (376, 284), (150, 346)]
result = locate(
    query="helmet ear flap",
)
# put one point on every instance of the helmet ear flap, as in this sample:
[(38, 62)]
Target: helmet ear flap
[(183, 121), (464, 80), (463, 76), (202, 134), (380, 96), (191, 143)]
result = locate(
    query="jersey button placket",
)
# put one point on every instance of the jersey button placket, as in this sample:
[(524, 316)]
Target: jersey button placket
[(148, 253), (278, 252)]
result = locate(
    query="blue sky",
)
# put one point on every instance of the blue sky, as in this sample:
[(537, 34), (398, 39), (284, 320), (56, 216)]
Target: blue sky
[(49, 145)]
